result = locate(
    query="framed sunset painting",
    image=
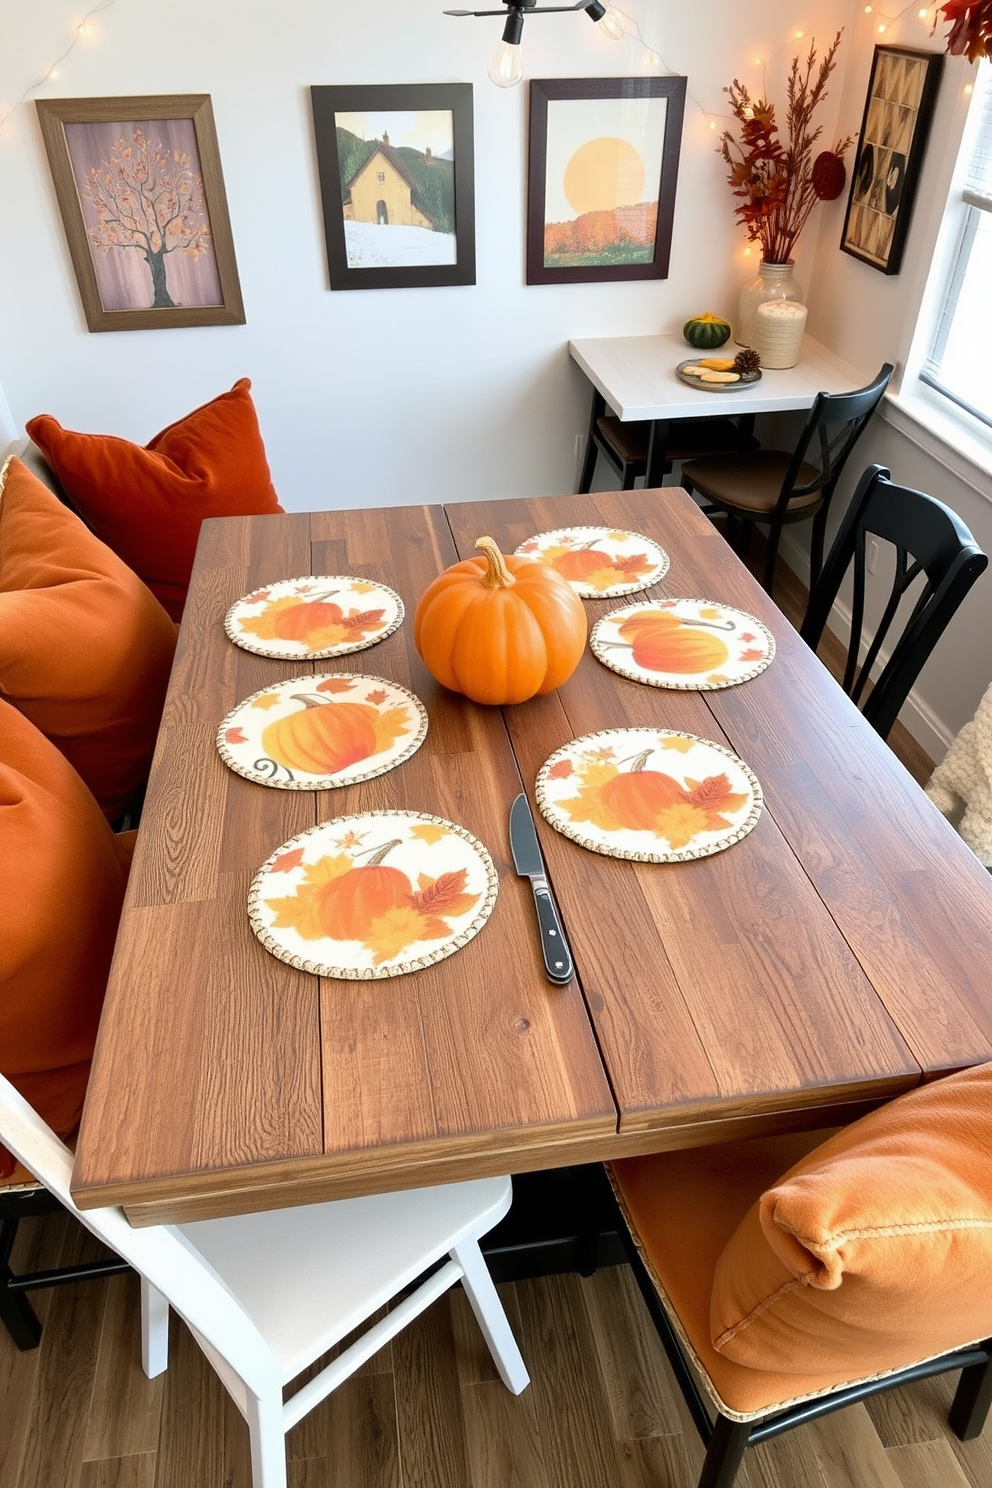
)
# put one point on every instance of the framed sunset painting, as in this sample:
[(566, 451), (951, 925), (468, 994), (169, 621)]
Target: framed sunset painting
[(604, 156)]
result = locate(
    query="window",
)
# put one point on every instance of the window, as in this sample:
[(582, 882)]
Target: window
[(956, 365)]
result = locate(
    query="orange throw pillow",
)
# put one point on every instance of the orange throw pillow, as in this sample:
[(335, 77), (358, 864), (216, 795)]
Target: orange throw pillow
[(148, 503), (62, 879), (85, 649), (875, 1250)]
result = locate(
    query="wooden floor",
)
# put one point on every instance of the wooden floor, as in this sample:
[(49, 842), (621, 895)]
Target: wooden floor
[(428, 1412)]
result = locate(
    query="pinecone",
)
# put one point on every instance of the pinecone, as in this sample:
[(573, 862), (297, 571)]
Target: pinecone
[(747, 360)]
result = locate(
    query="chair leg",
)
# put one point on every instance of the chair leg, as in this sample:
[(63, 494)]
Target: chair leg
[(488, 1309), (267, 1434), (771, 557), (724, 1453), (589, 463), (154, 1330), (971, 1402)]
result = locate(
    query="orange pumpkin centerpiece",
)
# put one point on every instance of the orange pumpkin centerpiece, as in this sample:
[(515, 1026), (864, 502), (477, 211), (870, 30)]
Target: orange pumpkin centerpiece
[(662, 642), (500, 629), (297, 622), (322, 737), (350, 903)]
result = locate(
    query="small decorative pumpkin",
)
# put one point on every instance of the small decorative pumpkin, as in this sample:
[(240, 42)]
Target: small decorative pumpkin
[(322, 737), (665, 643), (500, 629), (297, 622), (350, 902), (706, 332)]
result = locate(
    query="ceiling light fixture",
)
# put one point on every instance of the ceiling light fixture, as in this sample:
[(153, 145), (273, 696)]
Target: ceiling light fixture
[(505, 65)]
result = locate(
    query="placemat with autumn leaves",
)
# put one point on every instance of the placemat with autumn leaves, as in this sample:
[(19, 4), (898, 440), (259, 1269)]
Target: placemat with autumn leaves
[(599, 562), (653, 795), (375, 894), (320, 731), (313, 617), (683, 643)]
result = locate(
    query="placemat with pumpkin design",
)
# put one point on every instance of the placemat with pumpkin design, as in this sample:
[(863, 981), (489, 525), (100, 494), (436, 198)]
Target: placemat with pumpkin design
[(653, 795), (683, 643), (318, 732), (375, 894), (599, 562), (315, 616)]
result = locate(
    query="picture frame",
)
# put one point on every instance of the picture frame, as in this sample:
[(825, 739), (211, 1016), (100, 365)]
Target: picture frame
[(902, 94), (603, 171), (398, 207), (132, 276)]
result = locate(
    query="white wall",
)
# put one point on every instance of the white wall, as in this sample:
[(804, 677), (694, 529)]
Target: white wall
[(377, 396)]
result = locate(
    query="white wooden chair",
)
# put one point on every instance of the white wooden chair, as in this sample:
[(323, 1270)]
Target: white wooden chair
[(267, 1294)]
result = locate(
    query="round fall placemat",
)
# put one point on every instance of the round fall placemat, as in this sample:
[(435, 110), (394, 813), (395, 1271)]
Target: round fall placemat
[(599, 562), (653, 795), (318, 615), (318, 732), (376, 894), (683, 643)]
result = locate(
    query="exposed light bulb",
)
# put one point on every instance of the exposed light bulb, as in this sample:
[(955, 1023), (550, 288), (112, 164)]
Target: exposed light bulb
[(968, 90), (867, 10), (881, 30), (611, 24), (506, 68), (800, 35), (712, 123), (923, 14)]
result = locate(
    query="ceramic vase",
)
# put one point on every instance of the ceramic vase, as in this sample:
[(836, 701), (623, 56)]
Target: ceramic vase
[(773, 281)]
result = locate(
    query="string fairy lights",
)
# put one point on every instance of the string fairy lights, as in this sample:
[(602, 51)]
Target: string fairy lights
[(80, 31)]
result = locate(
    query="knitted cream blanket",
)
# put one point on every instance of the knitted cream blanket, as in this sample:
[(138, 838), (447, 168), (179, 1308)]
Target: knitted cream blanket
[(961, 785)]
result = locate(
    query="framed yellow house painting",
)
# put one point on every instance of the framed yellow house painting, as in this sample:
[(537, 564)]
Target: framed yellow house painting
[(604, 158), (397, 184)]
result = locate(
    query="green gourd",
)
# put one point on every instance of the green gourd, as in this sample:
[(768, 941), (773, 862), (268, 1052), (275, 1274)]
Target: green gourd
[(706, 332)]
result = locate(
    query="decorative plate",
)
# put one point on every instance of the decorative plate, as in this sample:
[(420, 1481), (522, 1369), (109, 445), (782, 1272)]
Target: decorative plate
[(599, 562), (317, 732), (319, 615), (649, 794), (745, 379), (376, 894), (684, 643)]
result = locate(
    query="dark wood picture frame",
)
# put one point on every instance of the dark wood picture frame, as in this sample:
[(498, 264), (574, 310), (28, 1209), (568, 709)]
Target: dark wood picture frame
[(337, 196), (201, 203), (902, 94), (547, 91)]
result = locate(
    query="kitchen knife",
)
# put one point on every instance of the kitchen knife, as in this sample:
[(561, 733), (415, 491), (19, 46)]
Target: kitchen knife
[(530, 864)]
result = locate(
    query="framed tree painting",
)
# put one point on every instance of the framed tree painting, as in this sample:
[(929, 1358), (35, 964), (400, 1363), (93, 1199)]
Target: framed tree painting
[(902, 92), (397, 184), (140, 190), (604, 158)]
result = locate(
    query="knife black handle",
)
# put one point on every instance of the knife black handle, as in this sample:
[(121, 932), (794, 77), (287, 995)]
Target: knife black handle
[(554, 947)]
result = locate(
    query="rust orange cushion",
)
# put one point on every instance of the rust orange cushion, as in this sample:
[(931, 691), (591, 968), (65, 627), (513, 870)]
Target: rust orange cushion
[(85, 648), (148, 502), (62, 879), (875, 1250)]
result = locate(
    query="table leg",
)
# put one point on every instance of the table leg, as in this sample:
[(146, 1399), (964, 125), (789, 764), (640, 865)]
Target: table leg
[(658, 465)]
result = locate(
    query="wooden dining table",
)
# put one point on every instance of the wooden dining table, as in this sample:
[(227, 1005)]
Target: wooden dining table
[(833, 957)]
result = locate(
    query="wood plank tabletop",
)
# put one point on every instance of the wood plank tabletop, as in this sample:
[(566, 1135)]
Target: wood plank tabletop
[(831, 958)]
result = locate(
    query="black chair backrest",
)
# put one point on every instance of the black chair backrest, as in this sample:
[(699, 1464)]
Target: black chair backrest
[(933, 544), (833, 427)]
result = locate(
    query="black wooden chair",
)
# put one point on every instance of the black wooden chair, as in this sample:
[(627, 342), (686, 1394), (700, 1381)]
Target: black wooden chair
[(625, 446), (775, 487), (936, 562)]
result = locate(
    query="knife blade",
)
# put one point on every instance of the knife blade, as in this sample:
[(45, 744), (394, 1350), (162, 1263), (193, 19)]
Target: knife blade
[(530, 864)]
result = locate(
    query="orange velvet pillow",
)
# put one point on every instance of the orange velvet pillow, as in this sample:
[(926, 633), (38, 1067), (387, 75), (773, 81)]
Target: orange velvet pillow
[(85, 648), (148, 503), (62, 879), (874, 1251)]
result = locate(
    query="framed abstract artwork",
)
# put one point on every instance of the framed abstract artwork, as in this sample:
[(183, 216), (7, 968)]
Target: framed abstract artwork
[(397, 184), (604, 159), (140, 190), (902, 92)]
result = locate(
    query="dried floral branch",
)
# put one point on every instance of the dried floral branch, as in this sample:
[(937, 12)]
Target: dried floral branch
[(971, 27), (777, 184)]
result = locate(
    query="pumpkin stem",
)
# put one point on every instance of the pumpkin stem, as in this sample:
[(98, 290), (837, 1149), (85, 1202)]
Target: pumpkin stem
[(639, 761), (709, 624), (497, 575), (308, 702), (379, 853)]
